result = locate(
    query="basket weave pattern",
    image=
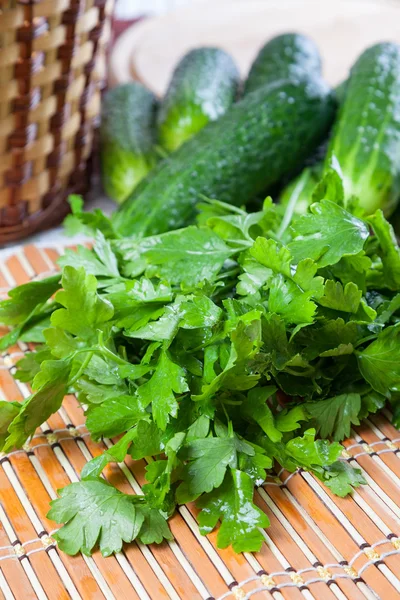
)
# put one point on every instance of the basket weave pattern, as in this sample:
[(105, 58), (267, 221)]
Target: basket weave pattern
[(51, 74)]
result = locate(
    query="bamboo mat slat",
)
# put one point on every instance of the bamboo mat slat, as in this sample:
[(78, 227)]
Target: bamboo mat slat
[(319, 547)]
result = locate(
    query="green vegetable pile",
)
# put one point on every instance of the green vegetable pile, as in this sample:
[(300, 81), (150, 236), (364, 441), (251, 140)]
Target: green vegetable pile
[(243, 341), (217, 349)]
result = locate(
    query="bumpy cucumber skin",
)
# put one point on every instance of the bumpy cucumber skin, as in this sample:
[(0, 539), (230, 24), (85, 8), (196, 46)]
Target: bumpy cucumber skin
[(128, 137), (262, 137), (366, 136), (203, 87), (285, 56)]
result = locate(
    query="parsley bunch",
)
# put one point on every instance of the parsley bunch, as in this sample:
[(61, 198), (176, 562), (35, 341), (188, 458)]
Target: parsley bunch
[(216, 351)]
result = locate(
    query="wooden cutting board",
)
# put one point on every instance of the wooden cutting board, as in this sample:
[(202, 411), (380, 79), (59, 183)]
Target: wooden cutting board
[(149, 50)]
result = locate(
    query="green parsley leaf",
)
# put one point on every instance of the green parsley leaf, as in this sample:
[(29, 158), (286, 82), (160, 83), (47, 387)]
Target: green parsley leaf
[(304, 276), (162, 329), (351, 269), (137, 292), (168, 379), (83, 309), (309, 453), (208, 460), (255, 465), (326, 339), (371, 402), (25, 298), (389, 250), (29, 365), (8, 412), (345, 299), (327, 234), (341, 478), (240, 518), (103, 371), (102, 248), (379, 363), (334, 416), (245, 338), (271, 255), (159, 473), (27, 309), (51, 385), (389, 309), (231, 222), (289, 420), (253, 278), (290, 288), (154, 529), (331, 185), (114, 416), (61, 343), (101, 261), (96, 393), (185, 256), (275, 341), (256, 409), (116, 453), (147, 440), (94, 513), (199, 312), (87, 222), (287, 300)]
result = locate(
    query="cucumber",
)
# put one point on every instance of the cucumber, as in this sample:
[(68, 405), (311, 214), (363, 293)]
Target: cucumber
[(267, 134), (128, 138), (340, 91), (366, 136), (285, 56), (203, 87)]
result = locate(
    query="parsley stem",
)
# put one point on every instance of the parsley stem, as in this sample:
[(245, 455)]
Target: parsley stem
[(231, 273), (109, 353), (82, 368), (226, 413), (114, 357), (241, 243), (290, 209), (365, 339)]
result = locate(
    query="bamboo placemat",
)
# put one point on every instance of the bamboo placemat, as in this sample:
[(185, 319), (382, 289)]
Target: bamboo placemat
[(318, 546)]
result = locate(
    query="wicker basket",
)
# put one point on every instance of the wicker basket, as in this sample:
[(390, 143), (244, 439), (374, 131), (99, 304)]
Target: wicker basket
[(51, 74)]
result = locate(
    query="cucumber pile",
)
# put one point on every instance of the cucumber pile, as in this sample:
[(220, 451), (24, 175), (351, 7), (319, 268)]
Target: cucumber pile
[(138, 130), (212, 136), (265, 135)]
